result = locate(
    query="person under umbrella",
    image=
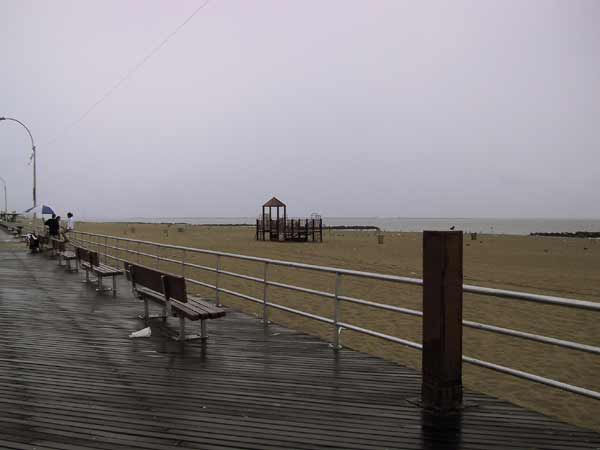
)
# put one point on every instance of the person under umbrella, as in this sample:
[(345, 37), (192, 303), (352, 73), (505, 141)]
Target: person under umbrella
[(53, 225)]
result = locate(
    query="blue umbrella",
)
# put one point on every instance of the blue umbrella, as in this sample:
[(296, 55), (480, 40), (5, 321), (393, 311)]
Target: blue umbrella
[(43, 209)]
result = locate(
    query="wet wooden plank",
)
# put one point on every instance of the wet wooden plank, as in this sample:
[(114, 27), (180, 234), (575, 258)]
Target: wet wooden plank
[(71, 378)]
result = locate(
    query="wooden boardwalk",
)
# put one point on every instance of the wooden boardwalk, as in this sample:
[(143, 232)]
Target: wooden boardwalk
[(70, 378)]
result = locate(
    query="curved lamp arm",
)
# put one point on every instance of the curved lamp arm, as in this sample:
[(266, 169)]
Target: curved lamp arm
[(24, 126), (33, 154)]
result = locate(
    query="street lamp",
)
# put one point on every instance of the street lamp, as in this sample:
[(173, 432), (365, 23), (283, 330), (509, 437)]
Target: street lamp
[(5, 204), (33, 155)]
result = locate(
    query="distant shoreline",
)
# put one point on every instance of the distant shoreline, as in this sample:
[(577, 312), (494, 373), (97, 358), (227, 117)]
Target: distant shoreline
[(516, 226), (576, 234), (325, 227)]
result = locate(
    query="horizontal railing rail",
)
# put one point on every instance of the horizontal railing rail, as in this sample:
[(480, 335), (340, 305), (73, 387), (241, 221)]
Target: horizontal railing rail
[(122, 246)]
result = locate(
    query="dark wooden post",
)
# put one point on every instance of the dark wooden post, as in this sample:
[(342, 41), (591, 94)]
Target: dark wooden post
[(270, 223), (278, 223), (441, 389), (264, 222), (321, 230)]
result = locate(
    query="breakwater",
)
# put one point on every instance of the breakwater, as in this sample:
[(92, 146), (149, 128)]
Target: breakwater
[(576, 234)]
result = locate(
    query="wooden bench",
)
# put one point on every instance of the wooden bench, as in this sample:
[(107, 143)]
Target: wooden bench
[(55, 247), (90, 262), (59, 247), (44, 241), (170, 292), (13, 231)]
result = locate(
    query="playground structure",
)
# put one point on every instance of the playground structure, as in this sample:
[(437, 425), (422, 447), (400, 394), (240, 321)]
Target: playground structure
[(281, 229)]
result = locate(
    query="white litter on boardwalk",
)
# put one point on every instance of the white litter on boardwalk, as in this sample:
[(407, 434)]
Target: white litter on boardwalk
[(145, 332)]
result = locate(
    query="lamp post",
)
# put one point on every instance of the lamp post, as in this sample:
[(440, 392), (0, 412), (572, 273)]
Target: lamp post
[(33, 156), (5, 203)]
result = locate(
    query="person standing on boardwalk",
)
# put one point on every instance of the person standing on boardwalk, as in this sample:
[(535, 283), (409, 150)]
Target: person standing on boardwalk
[(53, 225), (70, 225)]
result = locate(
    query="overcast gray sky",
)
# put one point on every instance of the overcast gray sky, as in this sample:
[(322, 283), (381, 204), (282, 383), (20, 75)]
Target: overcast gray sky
[(349, 108)]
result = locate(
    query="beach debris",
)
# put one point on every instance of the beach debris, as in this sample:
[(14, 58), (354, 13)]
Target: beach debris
[(144, 332)]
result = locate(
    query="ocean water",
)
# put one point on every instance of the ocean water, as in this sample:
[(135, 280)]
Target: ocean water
[(479, 225)]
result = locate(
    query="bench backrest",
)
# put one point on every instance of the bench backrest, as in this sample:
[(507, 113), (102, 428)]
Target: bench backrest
[(58, 245), (86, 255), (170, 285), (146, 277), (175, 288), (81, 253), (93, 259)]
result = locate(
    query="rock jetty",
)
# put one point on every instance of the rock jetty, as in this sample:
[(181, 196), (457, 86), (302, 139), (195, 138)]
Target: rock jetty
[(576, 234)]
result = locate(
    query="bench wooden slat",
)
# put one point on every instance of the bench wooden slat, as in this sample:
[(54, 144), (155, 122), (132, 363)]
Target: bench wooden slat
[(213, 310), (106, 270), (68, 254), (153, 295), (188, 310)]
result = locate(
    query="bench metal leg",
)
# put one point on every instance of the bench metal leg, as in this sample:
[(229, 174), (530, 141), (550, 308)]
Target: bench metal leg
[(204, 334), (181, 328), (101, 287), (114, 288), (70, 267), (188, 337), (147, 314)]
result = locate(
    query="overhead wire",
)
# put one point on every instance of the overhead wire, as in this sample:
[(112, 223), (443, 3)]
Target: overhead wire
[(127, 75)]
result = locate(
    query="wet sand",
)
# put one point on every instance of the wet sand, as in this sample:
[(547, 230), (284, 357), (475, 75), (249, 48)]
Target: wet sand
[(563, 267)]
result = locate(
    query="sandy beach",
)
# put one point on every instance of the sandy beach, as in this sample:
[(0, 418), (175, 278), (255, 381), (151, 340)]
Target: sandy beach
[(554, 266)]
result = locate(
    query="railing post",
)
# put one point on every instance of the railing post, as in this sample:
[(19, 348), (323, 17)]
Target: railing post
[(265, 315), (183, 264), (157, 256), (336, 315), (106, 250), (217, 280), (441, 389)]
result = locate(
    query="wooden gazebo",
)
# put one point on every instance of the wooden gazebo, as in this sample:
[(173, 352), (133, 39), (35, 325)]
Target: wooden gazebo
[(280, 228)]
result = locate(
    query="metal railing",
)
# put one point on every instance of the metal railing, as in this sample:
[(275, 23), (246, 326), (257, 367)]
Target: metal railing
[(130, 249)]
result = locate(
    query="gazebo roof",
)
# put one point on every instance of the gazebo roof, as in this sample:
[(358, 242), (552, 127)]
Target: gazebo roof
[(275, 202)]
